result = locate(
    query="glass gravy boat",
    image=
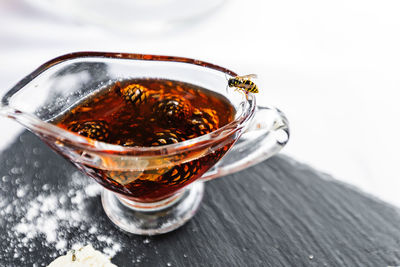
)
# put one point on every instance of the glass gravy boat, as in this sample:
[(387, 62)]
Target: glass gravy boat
[(256, 133)]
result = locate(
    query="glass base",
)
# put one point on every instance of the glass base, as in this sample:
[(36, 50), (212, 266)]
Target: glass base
[(153, 218)]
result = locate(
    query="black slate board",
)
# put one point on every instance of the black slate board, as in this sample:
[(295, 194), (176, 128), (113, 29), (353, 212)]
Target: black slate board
[(277, 213)]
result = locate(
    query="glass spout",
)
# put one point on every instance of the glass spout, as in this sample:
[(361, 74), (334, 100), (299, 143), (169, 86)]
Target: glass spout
[(26, 120)]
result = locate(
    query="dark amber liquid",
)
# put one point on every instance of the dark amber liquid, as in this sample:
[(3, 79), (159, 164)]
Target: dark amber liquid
[(150, 112)]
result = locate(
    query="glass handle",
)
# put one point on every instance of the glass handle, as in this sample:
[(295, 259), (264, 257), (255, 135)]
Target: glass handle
[(265, 136)]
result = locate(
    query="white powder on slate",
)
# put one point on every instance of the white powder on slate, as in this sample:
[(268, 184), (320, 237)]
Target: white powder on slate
[(51, 215)]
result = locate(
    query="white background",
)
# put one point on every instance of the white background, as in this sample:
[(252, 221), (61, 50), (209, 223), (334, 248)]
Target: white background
[(332, 66)]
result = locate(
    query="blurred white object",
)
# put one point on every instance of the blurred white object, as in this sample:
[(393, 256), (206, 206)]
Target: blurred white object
[(83, 257), (131, 16)]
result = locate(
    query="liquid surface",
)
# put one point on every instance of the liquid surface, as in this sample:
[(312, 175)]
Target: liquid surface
[(142, 112), (151, 112)]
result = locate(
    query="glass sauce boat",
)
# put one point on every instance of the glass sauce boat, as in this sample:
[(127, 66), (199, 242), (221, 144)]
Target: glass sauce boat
[(256, 133)]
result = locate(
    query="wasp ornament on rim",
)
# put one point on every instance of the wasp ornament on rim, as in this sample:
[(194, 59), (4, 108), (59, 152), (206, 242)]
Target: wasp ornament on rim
[(244, 83)]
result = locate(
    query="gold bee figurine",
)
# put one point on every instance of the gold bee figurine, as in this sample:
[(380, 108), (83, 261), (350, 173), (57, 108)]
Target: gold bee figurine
[(244, 83)]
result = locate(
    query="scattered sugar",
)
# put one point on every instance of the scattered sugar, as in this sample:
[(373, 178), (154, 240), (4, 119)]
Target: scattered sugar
[(36, 151), (139, 258), (46, 187), (21, 192), (16, 170), (78, 198), (146, 241), (61, 244), (101, 238), (112, 251), (52, 216), (92, 190), (92, 230)]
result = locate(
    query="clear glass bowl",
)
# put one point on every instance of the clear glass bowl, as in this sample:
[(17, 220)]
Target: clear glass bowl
[(59, 84)]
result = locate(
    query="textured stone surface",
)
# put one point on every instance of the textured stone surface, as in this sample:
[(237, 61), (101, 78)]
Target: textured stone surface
[(277, 213)]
